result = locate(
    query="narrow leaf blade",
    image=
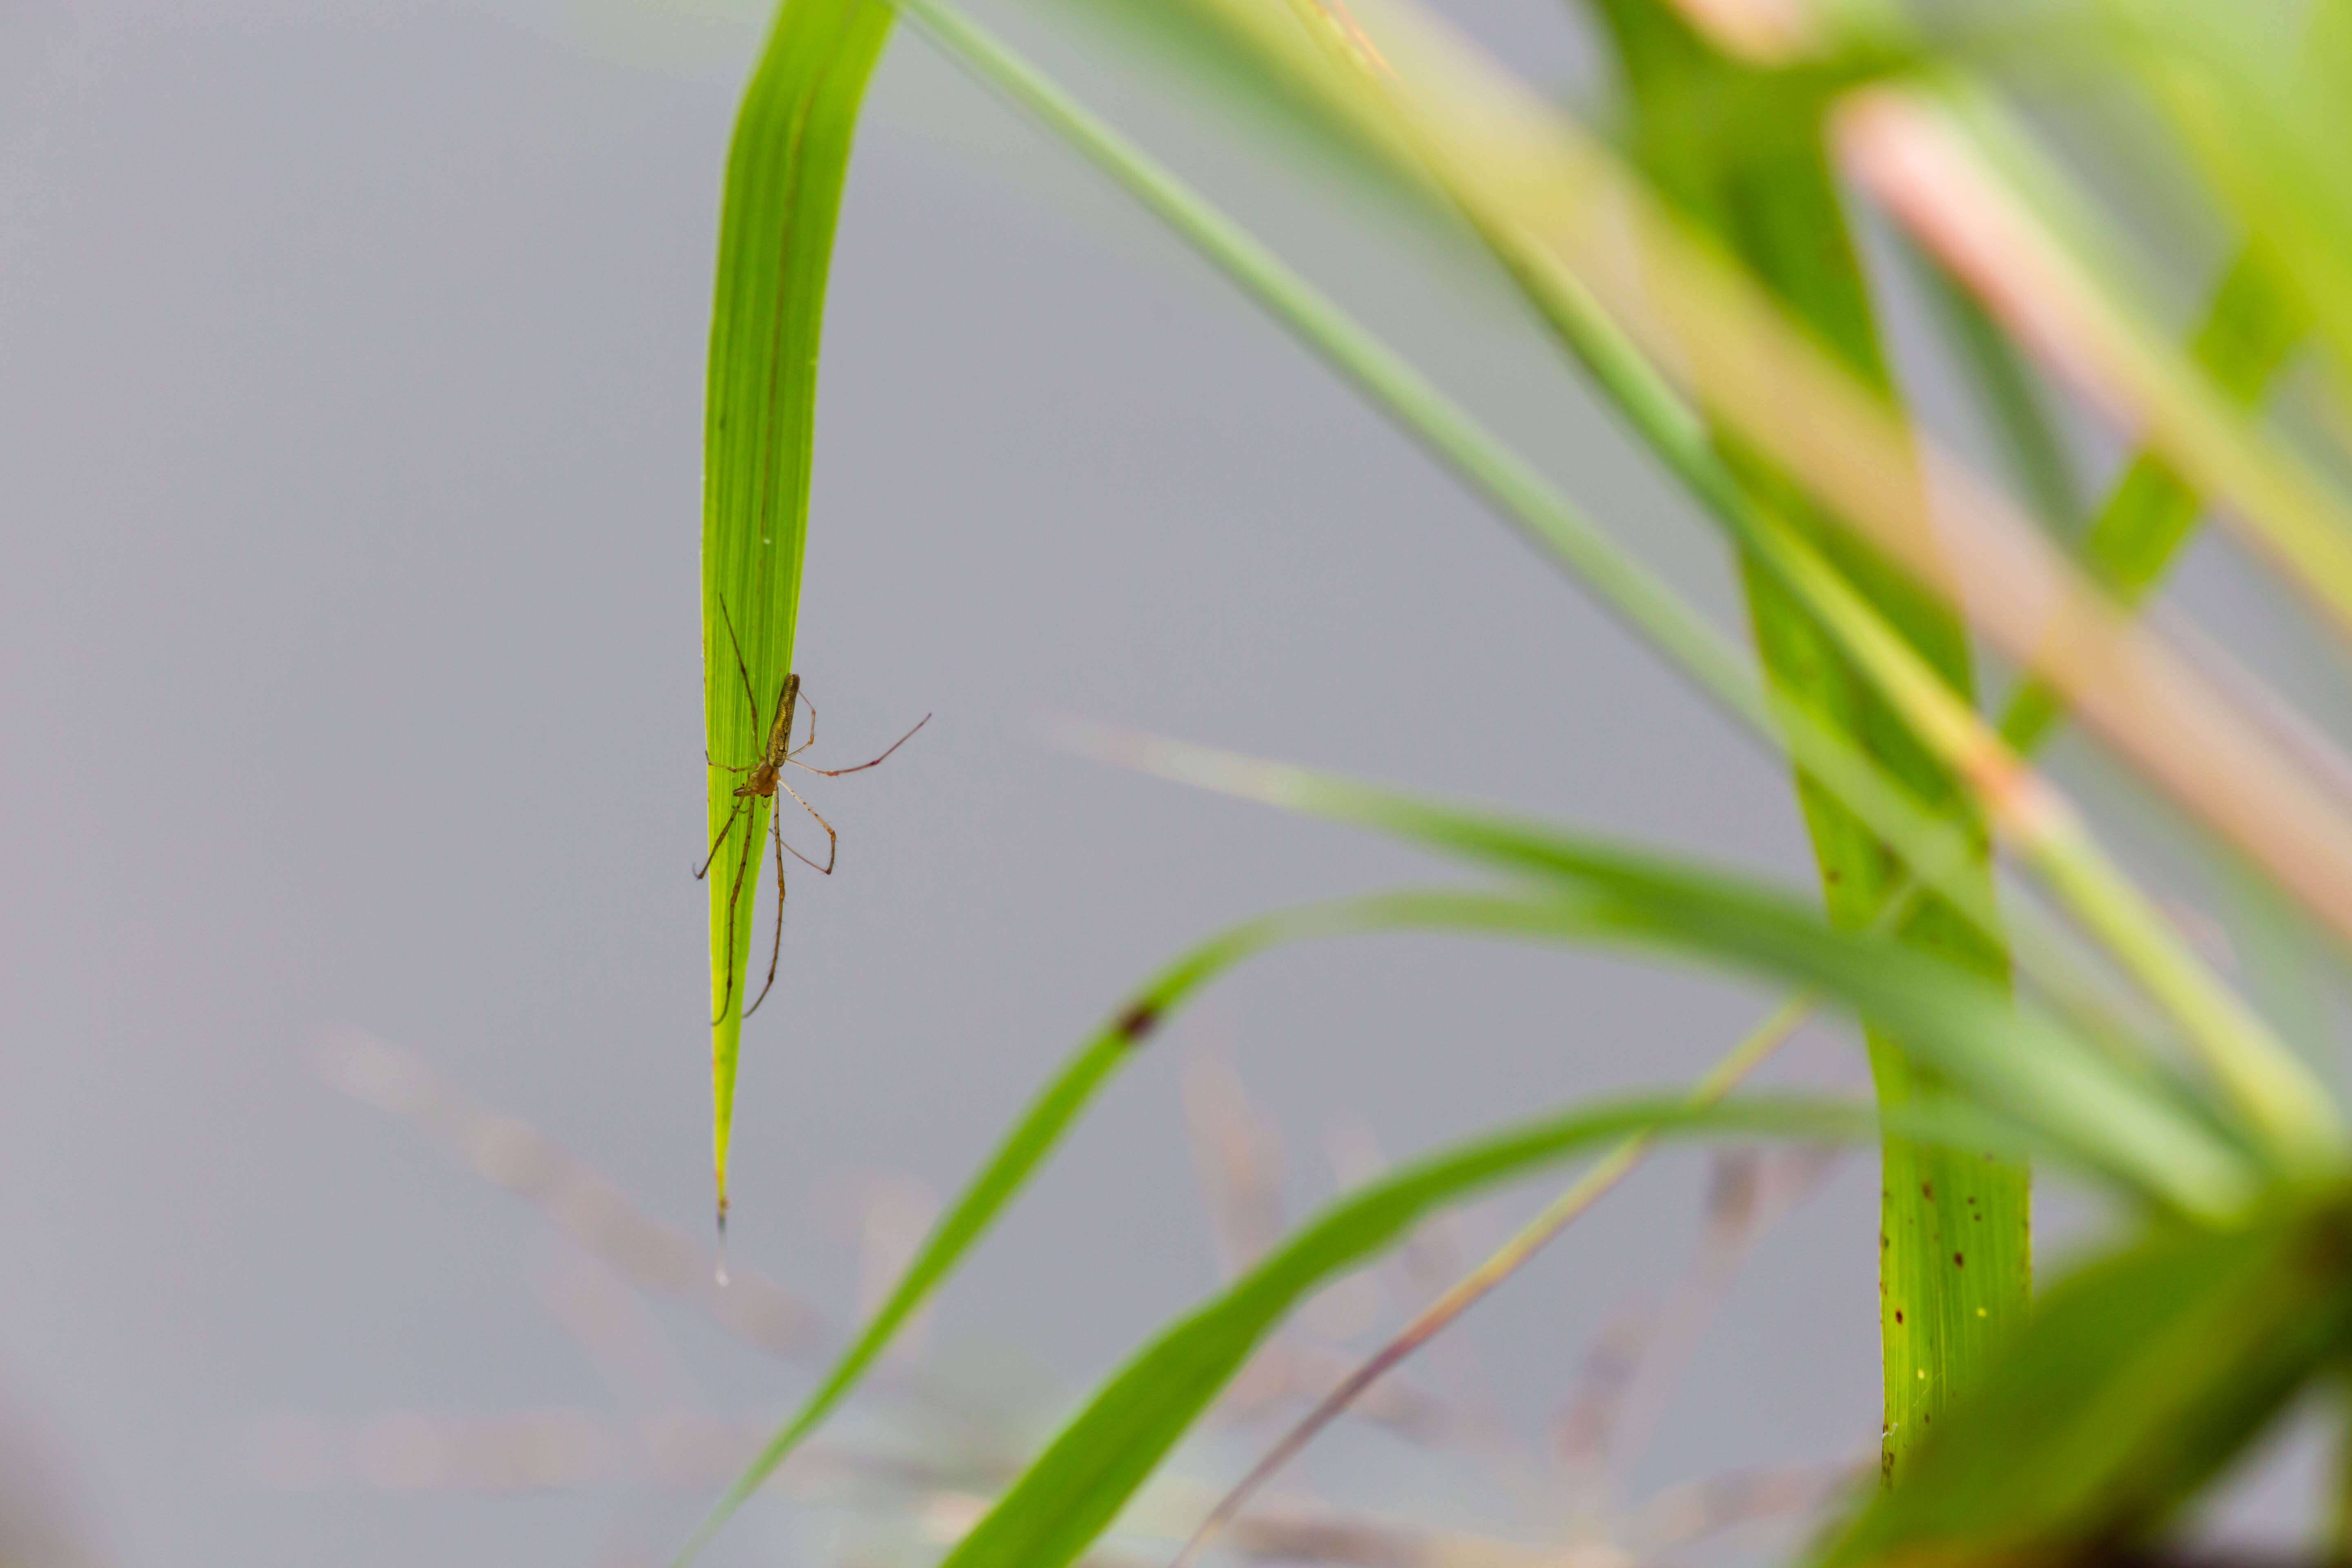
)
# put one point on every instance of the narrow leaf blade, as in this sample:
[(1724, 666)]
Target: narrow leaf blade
[(1073, 1490), (784, 174)]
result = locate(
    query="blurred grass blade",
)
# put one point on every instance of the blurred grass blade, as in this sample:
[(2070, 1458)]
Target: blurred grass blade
[(2271, 1086), (1662, 417), (2267, 113), (2139, 1378), (784, 174), (2249, 327), (1804, 634), (2252, 324), (1597, 1181), (2023, 1066), (1071, 1493), (1938, 854), (1049, 1115)]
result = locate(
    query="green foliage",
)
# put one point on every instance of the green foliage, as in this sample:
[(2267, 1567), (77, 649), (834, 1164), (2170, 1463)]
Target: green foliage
[(2029, 1431)]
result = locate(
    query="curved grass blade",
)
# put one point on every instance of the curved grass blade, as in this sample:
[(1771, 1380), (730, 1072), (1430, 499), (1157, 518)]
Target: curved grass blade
[(1598, 1182), (1050, 1114), (1071, 1491), (784, 173), (1966, 1025)]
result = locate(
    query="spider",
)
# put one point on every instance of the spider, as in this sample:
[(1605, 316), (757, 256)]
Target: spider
[(763, 778)]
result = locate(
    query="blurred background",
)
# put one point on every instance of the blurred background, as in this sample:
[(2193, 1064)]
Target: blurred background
[(354, 1176)]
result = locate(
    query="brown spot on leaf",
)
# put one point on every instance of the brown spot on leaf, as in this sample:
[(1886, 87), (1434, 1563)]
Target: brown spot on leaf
[(1958, 1262), (1138, 1021)]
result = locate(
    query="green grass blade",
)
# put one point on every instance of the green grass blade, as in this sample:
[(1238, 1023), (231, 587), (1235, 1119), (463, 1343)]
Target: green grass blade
[(1071, 1493), (784, 174), (1806, 604), (2035, 819), (2140, 1377), (1050, 1114), (1772, 200), (2270, 1086), (2252, 324), (2029, 1069)]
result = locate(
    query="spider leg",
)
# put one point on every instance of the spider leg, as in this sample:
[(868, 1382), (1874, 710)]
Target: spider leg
[(791, 750), (836, 772), (776, 952), (734, 897), (751, 698), (724, 829), (707, 761), (832, 839)]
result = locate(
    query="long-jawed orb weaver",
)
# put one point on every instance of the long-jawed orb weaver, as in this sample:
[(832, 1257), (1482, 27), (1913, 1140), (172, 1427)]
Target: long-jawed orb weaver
[(762, 779)]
